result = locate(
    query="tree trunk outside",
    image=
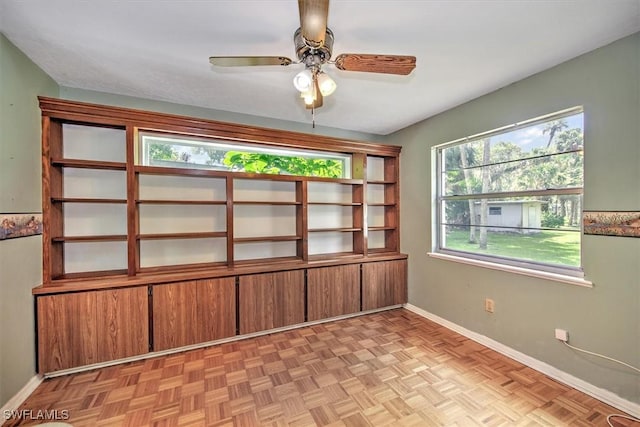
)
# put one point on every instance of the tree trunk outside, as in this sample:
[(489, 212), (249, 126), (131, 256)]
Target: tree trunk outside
[(467, 182), (484, 203), (563, 207), (575, 211)]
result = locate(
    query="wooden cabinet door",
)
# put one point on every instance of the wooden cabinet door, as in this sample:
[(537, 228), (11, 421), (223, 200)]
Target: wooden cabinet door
[(66, 331), (384, 283), (216, 308), (122, 323), (271, 300), (333, 291), (82, 328), (193, 312), (175, 315)]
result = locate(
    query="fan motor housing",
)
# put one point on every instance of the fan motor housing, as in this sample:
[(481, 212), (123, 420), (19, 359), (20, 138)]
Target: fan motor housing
[(308, 54)]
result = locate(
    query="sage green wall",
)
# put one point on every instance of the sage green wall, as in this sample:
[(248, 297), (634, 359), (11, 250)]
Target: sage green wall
[(605, 318), (206, 113), (21, 81)]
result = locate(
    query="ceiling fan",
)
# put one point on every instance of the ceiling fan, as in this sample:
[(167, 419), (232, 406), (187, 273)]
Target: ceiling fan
[(314, 43)]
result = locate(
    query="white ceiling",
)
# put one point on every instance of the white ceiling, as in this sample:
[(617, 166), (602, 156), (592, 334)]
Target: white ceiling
[(160, 49)]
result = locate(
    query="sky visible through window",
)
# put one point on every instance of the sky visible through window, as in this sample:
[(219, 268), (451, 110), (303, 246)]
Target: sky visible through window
[(533, 136)]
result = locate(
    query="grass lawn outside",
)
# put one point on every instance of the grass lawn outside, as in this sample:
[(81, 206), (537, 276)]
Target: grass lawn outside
[(551, 247)]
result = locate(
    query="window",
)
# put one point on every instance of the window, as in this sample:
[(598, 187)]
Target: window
[(514, 195), (208, 153)]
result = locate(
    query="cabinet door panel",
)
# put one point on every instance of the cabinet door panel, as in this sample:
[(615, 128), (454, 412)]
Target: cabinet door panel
[(122, 323), (333, 291), (175, 316), (384, 284), (271, 300), (216, 308), (66, 331)]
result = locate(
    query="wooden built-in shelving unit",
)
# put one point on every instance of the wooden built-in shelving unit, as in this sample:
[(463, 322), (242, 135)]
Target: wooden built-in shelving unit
[(198, 255)]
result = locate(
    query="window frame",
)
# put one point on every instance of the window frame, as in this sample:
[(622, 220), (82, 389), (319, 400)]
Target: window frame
[(518, 265), (231, 145)]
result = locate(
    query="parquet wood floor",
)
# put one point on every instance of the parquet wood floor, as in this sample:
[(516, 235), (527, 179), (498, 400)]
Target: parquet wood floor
[(392, 368)]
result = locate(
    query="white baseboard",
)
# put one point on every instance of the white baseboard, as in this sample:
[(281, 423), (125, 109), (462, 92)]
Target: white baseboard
[(601, 394), (15, 402)]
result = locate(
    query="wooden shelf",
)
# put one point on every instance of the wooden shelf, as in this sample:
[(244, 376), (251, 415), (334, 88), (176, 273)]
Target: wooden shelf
[(204, 266), (180, 202), (270, 177), (159, 170), (345, 181), (381, 204), (306, 203), (263, 202), (380, 251), (338, 229), (335, 255), (381, 181), (87, 200), (334, 204), (163, 236), (87, 239), (266, 239), (87, 281), (88, 275), (272, 261), (89, 164)]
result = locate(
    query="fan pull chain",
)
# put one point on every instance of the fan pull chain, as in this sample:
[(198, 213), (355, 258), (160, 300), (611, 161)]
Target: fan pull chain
[(315, 97)]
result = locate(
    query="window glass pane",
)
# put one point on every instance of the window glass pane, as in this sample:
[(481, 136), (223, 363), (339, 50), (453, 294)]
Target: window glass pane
[(556, 135), (521, 226), (515, 213), (201, 153), (541, 156), (559, 247), (555, 171)]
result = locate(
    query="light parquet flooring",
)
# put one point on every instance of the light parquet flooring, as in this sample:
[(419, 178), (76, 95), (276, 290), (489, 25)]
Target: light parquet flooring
[(392, 368)]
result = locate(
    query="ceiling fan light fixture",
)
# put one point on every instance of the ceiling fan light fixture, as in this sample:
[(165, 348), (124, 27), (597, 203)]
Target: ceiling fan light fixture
[(303, 81), (308, 97), (326, 84), (313, 42)]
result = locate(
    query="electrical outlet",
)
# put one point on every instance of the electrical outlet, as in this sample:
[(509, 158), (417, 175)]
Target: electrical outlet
[(489, 305), (562, 335)]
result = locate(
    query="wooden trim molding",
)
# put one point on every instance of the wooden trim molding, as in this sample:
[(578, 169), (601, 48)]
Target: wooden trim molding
[(154, 121)]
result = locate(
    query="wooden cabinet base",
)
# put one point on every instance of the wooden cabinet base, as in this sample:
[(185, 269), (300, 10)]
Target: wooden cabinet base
[(94, 326)]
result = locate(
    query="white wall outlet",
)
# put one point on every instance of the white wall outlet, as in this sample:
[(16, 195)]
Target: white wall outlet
[(562, 335), (489, 305)]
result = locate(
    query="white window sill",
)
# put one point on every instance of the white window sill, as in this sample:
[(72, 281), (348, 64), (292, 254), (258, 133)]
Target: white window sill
[(578, 281)]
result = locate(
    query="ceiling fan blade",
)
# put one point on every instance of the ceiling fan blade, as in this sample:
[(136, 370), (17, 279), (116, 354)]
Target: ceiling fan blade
[(313, 20), (385, 64), (244, 61)]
